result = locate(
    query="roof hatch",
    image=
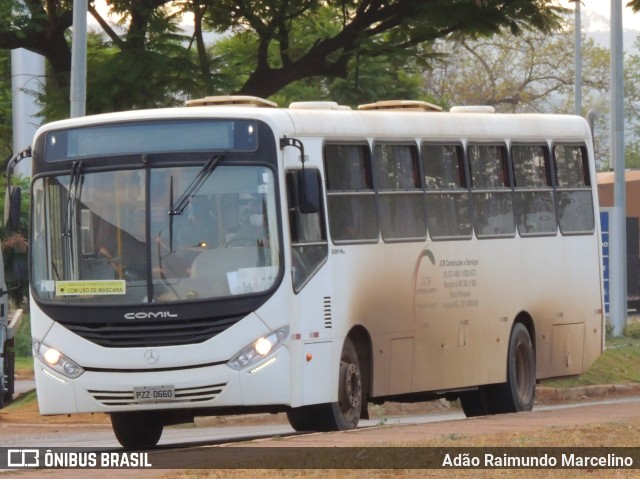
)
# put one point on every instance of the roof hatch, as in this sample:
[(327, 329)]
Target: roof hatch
[(401, 105), (235, 100)]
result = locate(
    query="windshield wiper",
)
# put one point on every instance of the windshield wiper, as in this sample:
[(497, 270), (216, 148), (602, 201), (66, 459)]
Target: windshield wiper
[(75, 187), (192, 189), (179, 206), (76, 180)]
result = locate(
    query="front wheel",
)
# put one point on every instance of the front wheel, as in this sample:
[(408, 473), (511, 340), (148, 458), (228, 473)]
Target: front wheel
[(137, 430), (343, 414)]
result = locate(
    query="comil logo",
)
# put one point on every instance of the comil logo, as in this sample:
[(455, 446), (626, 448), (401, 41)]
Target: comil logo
[(150, 315), (23, 458)]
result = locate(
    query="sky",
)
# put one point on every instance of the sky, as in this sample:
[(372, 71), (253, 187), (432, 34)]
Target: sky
[(597, 13)]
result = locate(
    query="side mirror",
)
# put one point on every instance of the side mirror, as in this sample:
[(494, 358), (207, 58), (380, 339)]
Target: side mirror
[(12, 207), (309, 191)]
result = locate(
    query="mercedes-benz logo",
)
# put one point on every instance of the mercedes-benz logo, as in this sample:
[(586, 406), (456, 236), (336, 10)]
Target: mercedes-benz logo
[(151, 356)]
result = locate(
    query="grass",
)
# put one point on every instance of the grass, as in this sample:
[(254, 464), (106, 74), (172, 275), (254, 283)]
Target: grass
[(619, 364), (24, 367)]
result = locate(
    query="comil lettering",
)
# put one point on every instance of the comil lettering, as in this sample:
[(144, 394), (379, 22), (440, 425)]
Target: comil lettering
[(149, 315)]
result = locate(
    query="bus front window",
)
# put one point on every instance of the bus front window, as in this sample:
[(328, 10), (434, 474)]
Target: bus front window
[(119, 237)]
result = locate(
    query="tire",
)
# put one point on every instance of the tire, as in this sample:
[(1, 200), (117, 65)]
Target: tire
[(518, 393), (475, 403), (2, 387), (343, 414), (137, 430), (304, 418), (9, 371)]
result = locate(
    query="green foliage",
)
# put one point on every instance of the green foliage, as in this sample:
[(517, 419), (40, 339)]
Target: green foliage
[(14, 246), (23, 338), (6, 120), (632, 330), (147, 61), (608, 329)]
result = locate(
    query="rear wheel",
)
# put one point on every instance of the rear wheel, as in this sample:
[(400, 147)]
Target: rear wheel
[(518, 393), (137, 430), (475, 403)]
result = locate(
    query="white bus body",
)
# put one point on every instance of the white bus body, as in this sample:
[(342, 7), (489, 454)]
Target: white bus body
[(400, 305)]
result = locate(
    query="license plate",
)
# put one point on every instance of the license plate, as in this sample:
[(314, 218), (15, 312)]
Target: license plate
[(154, 393)]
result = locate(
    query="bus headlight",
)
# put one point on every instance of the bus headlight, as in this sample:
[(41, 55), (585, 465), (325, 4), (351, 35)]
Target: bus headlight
[(56, 360), (259, 349)]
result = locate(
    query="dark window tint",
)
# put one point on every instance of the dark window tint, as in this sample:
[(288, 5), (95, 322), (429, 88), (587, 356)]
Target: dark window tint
[(492, 197), (401, 204), (534, 205), (350, 195), (447, 195), (575, 202)]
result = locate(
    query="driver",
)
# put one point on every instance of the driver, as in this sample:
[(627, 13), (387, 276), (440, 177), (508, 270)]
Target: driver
[(252, 229)]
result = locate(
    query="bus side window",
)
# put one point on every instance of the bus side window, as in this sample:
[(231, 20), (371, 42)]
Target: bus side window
[(534, 205), (492, 197), (401, 201), (447, 194), (574, 197), (307, 230), (350, 197)]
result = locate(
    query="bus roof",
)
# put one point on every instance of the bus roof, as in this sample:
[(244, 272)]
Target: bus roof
[(391, 123)]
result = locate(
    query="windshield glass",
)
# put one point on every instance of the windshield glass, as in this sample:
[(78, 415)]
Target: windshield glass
[(110, 237)]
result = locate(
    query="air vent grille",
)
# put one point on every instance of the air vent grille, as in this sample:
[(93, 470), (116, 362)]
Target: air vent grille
[(327, 313)]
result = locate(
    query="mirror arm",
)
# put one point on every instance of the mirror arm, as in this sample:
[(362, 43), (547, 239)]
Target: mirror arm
[(17, 158), (294, 142)]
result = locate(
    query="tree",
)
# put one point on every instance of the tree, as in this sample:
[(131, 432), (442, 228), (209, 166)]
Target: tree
[(367, 78), (6, 118), (530, 73), (365, 28), (148, 44)]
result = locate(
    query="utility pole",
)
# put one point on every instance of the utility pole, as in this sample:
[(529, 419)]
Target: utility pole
[(578, 59), (618, 237), (78, 92)]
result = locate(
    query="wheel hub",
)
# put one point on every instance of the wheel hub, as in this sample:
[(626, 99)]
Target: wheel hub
[(352, 386)]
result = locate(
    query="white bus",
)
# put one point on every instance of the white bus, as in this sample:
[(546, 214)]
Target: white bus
[(235, 257)]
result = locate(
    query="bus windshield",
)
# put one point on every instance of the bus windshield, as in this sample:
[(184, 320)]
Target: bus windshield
[(155, 235)]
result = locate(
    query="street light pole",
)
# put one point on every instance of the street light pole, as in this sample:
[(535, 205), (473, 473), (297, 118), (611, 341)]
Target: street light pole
[(578, 59), (618, 237), (78, 91)]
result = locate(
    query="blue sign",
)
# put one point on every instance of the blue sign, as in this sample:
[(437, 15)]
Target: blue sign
[(604, 227)]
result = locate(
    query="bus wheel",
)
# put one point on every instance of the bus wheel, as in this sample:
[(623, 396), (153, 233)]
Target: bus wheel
[(343, 414), (346, 412), (475, 403), (137, 430), (7, 374), (2, 387), (518, 393), (303, 419)]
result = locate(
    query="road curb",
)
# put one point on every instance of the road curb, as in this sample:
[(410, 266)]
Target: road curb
[(548, 394)]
